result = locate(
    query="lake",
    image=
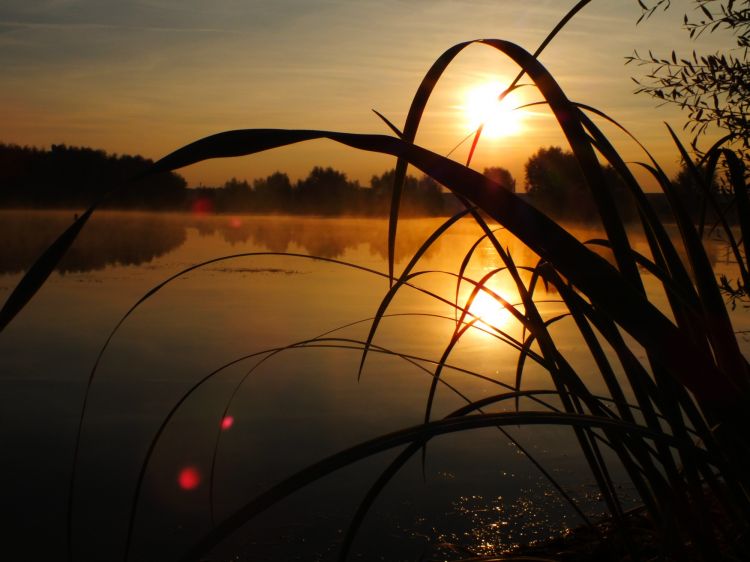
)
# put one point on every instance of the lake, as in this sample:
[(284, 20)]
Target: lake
[(284, 411)]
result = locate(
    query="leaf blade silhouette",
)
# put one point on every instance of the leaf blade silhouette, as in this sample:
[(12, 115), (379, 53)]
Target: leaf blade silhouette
[(40, 270)]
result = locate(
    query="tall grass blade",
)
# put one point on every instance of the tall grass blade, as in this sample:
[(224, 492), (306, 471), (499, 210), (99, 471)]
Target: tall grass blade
[(403, 457), (720, 331), (526, 352), (464, 264), (547, 40), (413, 118), (40, 270), (403, 278), (739, 188), (391, 126)]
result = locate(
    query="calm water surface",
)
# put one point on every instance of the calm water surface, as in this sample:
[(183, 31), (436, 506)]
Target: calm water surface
[(285, 412)]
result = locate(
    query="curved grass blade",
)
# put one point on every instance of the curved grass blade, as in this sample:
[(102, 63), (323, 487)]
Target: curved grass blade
[(403, 278), (153, 291), (417, 107), (404, 437), (40, 270), (386, 476), (197, 385), (514, 84), (391, 126), (413, 118), (465, 264), (739, 188), (328, 343), (526, 352), (89, 383), (461, 329)]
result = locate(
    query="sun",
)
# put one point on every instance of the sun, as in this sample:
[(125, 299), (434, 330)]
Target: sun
[(482, 106)]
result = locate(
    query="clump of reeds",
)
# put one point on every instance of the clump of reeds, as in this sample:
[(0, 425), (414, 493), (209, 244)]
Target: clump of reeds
[(677, 421)]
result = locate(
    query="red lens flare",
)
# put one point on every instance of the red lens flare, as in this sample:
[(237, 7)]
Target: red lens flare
[(202, 206), (189, 478), (227, 422)]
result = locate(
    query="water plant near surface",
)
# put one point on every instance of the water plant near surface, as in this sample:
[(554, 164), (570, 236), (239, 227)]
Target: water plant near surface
[(675, 412)]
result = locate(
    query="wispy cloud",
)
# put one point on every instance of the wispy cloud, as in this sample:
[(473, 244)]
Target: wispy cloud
[(6, 26)]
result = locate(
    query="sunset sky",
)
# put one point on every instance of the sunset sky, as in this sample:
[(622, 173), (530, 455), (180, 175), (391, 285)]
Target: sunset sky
[(149, 76)]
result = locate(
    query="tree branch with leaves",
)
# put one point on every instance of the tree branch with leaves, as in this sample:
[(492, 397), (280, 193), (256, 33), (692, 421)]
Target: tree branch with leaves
[(714, 89)]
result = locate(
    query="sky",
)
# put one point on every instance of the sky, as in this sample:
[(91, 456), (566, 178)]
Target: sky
[(148, 76)]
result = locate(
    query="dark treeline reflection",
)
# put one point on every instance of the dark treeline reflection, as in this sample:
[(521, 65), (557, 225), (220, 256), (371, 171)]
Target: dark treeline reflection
[(130, 238), (135, 238), (108, 239), (329, 238)]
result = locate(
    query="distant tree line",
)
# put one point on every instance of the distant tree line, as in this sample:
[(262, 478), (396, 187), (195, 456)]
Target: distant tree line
[(70, 177), (325, 191), (65, 176), (555, 184)]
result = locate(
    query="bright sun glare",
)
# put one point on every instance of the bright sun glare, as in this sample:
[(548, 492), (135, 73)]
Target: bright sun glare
[(490, 312), (481, 105)]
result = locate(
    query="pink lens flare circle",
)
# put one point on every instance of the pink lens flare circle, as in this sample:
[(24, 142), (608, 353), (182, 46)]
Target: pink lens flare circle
[(189, 478)]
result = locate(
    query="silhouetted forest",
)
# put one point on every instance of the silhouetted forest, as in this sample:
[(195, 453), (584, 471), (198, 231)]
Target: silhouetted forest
[(555, 184), (72, 177), (324, 191), (124, 238)]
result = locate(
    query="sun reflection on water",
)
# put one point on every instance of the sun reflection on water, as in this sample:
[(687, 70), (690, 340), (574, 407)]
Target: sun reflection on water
[(491, 312)]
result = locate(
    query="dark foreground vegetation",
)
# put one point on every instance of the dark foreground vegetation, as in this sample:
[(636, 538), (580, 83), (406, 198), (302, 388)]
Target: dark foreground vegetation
[(675, 410)]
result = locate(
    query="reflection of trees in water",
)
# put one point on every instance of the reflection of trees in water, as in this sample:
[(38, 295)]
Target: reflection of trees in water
[(128, 238), (325, 237), (108, 239)]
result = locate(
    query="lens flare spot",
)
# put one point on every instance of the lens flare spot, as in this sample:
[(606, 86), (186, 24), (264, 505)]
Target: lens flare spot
[(235, 222), (189, 478), (227, 422), (202, 206)]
